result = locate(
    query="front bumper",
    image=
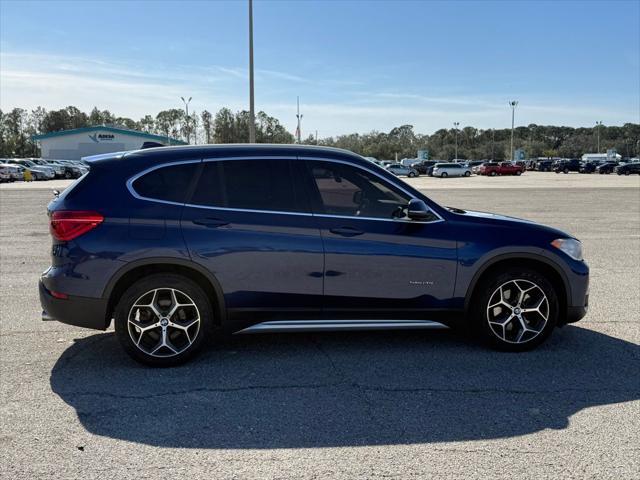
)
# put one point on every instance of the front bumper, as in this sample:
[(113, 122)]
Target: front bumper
[(79, 311)]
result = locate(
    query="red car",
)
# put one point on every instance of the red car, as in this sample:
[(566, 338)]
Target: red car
[(503, 168)]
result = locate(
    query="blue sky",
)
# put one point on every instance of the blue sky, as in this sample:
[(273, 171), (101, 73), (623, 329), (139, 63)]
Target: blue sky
[(356, 65)]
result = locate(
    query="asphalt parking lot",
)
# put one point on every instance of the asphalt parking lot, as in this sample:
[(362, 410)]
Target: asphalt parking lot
[(349, 405)]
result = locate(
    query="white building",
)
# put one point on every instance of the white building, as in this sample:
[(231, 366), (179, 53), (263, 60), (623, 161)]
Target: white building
[(82, 142)]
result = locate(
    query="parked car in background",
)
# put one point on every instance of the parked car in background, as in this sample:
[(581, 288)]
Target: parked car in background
[(628, 169), (473, 164), (14, 171), (399, 169), (423, 167), (566, 166), (587, 167), (443, 170), (38, 172), (58, 169), (5, 174), (606, 168), (544, 166), (503, 168), (72, 169), (476, 169)]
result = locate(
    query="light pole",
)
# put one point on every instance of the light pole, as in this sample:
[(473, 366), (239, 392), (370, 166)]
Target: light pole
[(513, 104), (456, 125), (252, 112), (299, 117), (493, 138), (598, 125), (186, 107)]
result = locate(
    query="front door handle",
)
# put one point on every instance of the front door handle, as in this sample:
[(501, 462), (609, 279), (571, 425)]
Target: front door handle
[(347, 231), (210, 222)]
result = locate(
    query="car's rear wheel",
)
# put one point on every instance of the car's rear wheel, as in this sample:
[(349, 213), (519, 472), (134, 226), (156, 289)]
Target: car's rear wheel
[(163, 320), (444, 174), (518, 173), (411, 174), (467, 173), (516, 310), (493, 174)]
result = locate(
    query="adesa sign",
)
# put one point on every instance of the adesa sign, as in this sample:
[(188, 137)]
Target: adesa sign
[(102, 137)]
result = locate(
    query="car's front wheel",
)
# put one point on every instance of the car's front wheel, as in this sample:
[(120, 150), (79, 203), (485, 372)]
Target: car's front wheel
[(163, 320), (467, 173), (516, 310), (411, 174)]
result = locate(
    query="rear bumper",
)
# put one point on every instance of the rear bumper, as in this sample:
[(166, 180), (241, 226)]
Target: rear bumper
[(79, 311)]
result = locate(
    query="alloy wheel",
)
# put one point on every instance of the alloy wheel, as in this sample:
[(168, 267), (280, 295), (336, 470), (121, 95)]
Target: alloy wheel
[(518, 311), (163, 322)]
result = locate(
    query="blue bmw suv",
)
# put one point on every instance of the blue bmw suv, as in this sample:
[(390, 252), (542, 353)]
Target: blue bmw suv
[(178, 245)]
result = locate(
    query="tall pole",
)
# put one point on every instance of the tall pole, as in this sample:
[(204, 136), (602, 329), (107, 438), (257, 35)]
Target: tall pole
[(456, 125), (598, 125), (317, 138), (299, 117), (186, 107), (252, 112), (493, 139), (513, 104)]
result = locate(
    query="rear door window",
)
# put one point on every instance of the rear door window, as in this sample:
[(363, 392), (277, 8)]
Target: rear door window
[(169, 184), (255, 184)]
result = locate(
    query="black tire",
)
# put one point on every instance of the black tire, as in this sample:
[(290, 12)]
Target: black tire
[(467, 173), (164, 281), (484, 294), (68, 175), (493, 174), (444, 175), (566, 170), (411, 175), (626, 173), (518, 173)]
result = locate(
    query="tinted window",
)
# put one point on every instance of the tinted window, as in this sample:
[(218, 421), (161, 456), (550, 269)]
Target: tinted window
[(259, 184), (351, 191), (166, 183)]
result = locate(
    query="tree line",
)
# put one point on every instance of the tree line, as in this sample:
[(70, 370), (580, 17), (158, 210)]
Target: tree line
[(19, 125)]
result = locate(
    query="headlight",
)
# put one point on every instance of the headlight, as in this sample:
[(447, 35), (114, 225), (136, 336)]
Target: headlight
[(570, 246)]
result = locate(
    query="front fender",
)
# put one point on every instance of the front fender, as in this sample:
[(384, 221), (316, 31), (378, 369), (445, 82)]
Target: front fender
[(470, 272)]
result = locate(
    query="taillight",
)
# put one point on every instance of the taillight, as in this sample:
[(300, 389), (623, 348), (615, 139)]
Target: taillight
[(68, 224)]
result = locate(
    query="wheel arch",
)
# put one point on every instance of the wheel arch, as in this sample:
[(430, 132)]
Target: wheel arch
[(536, 262), (134, 271)]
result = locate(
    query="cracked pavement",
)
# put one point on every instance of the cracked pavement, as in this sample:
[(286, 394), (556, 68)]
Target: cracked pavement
[(407, 404)]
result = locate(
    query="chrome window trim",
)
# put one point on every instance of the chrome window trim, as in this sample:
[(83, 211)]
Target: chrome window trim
[(135, 194)]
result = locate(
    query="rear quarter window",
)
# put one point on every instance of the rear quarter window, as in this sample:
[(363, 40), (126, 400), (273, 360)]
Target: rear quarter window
[(169, 184)]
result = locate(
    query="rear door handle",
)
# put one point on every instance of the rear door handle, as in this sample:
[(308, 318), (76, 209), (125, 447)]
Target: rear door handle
[(347, 231), (210, 222)]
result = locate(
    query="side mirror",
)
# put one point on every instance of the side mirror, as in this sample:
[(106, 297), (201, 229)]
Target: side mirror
[(418, 210)]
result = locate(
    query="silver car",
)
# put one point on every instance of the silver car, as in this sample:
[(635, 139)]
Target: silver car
[(399, 169), (451, 170)]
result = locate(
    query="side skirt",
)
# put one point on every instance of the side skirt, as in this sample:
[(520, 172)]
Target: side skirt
[(336, 325)]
